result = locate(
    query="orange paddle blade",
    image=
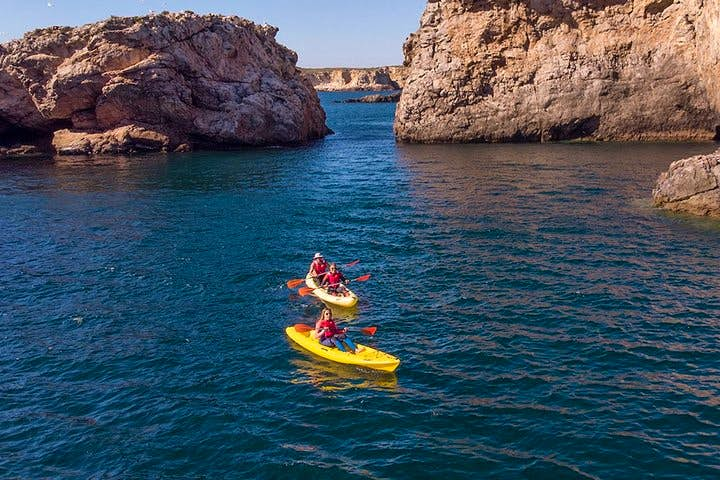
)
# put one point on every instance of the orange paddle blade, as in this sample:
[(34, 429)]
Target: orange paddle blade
[(362, 278), (369, 330), (302, 328), (295, 282), (352, 264), (305, 291)]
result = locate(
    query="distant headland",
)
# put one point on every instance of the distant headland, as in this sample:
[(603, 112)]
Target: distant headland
[(352, 79)]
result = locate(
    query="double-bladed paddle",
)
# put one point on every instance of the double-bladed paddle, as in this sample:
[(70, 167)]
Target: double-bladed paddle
[(295, 282), (307, 290), (302, 328)]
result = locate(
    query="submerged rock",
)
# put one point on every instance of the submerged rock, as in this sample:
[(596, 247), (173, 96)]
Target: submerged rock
[(543, 70), (376, 98), (159, 82), (691, 185)]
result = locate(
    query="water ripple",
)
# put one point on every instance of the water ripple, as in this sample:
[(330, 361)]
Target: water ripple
[(550, 323)]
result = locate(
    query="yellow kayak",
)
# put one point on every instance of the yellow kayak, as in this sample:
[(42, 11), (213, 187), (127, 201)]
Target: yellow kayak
[(322, 294), (368, 358)]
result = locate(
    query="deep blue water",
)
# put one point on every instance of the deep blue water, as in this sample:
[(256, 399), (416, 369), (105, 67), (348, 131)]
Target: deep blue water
[(551, 324)]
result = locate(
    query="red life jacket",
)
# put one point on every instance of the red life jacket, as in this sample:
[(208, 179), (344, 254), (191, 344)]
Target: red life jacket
[(319, 266), (333, 278), (331, 328)]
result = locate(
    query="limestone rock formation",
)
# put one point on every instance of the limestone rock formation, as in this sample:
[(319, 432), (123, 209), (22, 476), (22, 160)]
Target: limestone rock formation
[(543, 70), (159, 82), (691, 185), (348, 79)]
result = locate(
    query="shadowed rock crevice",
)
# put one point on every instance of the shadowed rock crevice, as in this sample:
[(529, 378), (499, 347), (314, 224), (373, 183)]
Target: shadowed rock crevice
[(657, 6), (575, 129)]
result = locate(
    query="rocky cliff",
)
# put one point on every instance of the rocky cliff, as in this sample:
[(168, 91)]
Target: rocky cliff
[(691, 185), (543, 70), (346, 79), (160, 82)]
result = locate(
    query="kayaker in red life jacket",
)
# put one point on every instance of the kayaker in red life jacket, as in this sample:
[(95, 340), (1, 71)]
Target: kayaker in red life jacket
[(334, 282), (318, 267), (330, 335)]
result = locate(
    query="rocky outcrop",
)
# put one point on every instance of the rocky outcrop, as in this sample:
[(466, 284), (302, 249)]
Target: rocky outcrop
[(131, 138), (22, 151), (160, 82), (376, 98), (691, 185), (347, 79), (543, 70)]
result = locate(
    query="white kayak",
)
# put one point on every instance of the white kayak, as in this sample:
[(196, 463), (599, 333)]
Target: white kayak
[(340, 300)]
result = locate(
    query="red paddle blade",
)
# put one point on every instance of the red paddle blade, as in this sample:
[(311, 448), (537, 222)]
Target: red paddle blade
[(352, 264), (302, 328), (295, 282), (369, 330), (305, 291), (362, 278)]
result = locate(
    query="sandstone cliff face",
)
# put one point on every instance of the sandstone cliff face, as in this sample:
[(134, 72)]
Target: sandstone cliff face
[(347, 79), (542, 70), (161, 82), (691, 185)]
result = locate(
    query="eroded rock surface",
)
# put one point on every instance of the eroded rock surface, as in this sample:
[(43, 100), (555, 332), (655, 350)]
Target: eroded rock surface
[(543, 70), (348, 79), (691, 185), (159, 82)]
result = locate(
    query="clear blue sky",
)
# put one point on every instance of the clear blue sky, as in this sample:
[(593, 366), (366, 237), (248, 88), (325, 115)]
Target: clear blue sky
[(324, 33)]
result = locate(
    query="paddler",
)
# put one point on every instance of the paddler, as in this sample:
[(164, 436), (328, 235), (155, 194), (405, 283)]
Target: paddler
[(318, 267), (334, 282), (330, 335)]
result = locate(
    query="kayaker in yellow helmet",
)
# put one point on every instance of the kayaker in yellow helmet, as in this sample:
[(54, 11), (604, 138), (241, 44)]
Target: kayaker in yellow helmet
[(318, 268), (334, 282), (330, 335)]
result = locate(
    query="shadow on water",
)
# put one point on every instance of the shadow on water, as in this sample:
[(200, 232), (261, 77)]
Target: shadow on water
[(344, 314)]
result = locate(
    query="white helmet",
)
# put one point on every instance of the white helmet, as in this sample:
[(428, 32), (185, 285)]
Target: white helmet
[(317, 255)]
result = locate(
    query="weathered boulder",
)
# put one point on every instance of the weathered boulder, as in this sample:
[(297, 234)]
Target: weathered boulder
[(691, 185), (543, 70), (21, 151), (127, 139), (156, 83), (350, 79)]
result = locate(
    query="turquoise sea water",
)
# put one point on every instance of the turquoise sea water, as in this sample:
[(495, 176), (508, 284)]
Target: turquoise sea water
[(551, 324)]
